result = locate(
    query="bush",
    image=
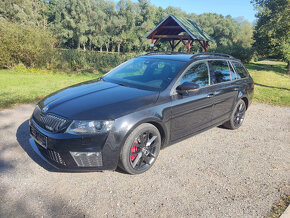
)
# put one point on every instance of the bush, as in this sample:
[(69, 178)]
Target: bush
[(79, 60), (30, 46), (243, 53)]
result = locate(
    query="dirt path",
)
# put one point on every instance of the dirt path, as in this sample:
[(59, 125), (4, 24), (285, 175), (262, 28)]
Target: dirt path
[(219, 173)]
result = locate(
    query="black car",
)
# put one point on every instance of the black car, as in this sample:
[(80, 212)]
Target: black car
[(125, 117)]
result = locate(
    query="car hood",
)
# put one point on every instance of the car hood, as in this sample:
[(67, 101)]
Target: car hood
[(97, 100)]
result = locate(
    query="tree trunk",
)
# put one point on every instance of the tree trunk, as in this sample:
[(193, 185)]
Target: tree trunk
[(101, 49), (90, 45), (79, 45), (107, 48), (118, 47), (288, 68)]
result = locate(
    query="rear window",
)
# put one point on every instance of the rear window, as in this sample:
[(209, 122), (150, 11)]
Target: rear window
[(221, 71), (240, 70)]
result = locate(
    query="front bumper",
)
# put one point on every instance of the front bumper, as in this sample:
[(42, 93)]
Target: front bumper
[(60, 145)]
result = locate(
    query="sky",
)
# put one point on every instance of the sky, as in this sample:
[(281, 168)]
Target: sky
[(235, 8)]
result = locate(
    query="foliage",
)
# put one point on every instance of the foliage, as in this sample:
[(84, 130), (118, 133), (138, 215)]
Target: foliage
[(231, 37), (27, 12), (24, 44), (245, 54), (273, 29)]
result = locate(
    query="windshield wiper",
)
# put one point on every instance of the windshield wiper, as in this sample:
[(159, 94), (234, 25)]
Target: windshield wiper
[(121, 84), (102, 78)]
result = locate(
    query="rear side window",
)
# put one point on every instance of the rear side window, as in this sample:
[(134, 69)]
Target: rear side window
[(221, 71), (233, 74), (240, 70), (197, 73)]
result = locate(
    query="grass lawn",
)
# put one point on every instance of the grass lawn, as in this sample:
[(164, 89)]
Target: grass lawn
[(29, 86), (272, 85)]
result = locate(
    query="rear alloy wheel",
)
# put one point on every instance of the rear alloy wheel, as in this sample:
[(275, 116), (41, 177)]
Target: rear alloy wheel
[(140, 149), (237, 116)]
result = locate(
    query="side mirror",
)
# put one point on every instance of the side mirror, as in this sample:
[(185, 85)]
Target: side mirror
[(185, 87)]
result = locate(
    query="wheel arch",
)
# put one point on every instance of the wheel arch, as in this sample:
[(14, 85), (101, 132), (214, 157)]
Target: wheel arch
[(155, 122), (243, 96), (161, 131), (245, 99)]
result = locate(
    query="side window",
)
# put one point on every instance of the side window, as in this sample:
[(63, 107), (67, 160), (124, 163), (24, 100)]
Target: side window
[(240, 70), (221, 71), (198, 74), (233, 74)]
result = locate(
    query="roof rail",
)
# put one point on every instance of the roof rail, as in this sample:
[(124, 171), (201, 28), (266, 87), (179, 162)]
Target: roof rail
[(164, 52), (211, 53)]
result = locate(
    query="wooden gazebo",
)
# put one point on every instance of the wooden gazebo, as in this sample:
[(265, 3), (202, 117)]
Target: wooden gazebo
[(176, 29)]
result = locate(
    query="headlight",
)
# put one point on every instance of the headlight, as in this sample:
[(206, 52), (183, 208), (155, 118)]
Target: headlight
[(79, 127)]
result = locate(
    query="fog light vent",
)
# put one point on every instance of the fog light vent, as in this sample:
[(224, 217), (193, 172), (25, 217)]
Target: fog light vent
[(87, 159)]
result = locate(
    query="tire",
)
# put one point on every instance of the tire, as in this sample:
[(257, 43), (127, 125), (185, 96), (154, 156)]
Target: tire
[(140, 149), (237, 116)]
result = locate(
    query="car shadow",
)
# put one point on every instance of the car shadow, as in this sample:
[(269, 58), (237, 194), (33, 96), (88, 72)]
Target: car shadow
[(23, 136)]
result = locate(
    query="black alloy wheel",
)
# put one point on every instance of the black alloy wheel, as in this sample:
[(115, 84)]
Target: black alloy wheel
[(140, 149)]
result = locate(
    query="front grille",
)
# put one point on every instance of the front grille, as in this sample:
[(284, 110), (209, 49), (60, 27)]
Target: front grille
[(55, 156), (48, 121), (52, 155)]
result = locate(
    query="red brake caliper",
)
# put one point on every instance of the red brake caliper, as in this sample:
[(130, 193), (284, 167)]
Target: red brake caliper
[(134, 149)]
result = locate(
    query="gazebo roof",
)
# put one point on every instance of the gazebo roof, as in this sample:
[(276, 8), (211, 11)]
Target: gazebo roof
[(172, 26)]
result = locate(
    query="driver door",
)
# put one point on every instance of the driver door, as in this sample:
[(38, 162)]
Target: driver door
[(192, 111)]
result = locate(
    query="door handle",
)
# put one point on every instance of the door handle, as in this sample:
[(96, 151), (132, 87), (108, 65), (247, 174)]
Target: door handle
[(210, 95)]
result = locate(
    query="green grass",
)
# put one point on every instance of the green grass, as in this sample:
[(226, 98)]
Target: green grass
[(20, 86), (272, 85), (280, 207)]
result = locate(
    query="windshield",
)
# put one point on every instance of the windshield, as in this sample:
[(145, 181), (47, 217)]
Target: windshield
[(145, 73)]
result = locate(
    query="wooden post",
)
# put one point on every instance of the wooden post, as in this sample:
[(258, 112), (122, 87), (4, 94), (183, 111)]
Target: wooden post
[(206, 47), (188, 46), (152, 44), (172, 45)]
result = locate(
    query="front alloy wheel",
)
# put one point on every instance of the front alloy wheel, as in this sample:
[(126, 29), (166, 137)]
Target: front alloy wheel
[(140, 149)]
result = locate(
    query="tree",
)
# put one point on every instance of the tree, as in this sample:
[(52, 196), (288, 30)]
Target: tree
[(70, 22), (273, 29), (26, 12)]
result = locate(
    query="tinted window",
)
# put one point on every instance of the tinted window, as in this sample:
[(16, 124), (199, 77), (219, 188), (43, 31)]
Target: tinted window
[(240, 70), (233, 74), (145, 73), (221, 71), (198, 74)]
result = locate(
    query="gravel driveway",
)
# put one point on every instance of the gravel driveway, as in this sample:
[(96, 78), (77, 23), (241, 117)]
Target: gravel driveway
[(219, 173)]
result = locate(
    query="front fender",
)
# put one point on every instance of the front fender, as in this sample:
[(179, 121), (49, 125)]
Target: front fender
[(159, 116)]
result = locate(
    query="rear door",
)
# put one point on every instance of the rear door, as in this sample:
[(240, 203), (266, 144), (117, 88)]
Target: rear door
[(192, 111), (225, 91)]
